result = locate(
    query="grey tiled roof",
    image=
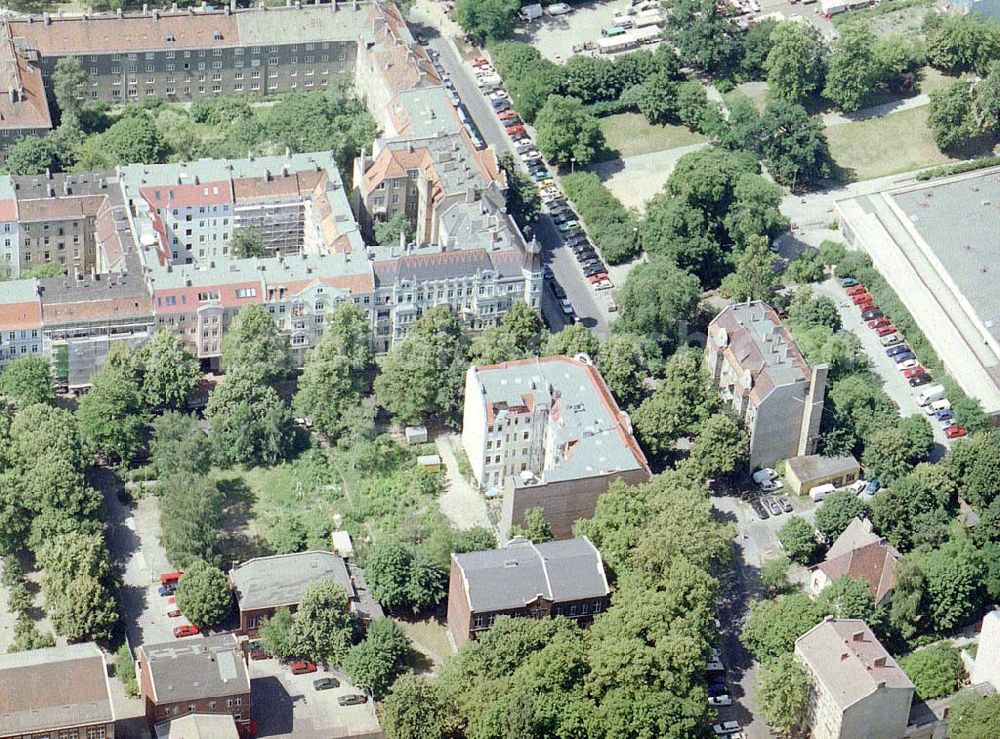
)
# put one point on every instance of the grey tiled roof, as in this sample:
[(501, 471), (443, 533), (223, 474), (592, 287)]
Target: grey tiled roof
[(209, 667), (281, 580), (509, 578)]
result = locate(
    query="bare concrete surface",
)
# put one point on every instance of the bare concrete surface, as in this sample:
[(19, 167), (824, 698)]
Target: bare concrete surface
[(461, 502)]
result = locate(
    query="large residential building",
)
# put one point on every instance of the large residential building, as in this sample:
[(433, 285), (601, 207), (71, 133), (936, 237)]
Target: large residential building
[(760, 372), (57, 692), (862, 554), (24, 109), (205, 675), (858, 689), (933, 242), (556, 578), (265, 584), (549, 434)]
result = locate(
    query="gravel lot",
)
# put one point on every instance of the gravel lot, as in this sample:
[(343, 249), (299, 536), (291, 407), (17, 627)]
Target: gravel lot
[(555, 36)]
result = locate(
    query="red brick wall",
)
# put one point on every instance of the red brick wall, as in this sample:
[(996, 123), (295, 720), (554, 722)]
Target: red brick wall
[(459, 617)]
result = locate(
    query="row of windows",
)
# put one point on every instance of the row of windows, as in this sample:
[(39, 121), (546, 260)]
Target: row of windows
[(238, 51)]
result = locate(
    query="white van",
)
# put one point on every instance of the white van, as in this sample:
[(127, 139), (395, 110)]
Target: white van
[(930, 394), (821, 491), (938, 405), (558, 9)]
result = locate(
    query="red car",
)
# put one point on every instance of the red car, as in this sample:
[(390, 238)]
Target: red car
[(185, 630), (169, 578), (302, 667), (886, 330), (481, 62), (860, 298), (864, 308), (857, 290), (878, 322), (594, 279), (955, 432), (507, 115), (515, 130), (914, 371), (173, 614)]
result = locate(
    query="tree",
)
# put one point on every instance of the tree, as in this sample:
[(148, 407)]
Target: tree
[(203, 594), (487, 20), (375, 662), (324, 625), (387, 232), (125, 670), (133, 138), (806, 267), (892, 452), (623, 366), (952, 582), (773, 625), (178, 445), (169, 372), (335, 376), (251, 424), (277, 635), (987, 95), (722, 446), (963, 43), (567, 132), (69, 78), (849, 597), (837, 511), (27, 636), (28, 380), (524, 204), (754, 278), (795, 63), (111, 417), (936, 671), (189, 518), (783, 687), (40, 430), (536, 529), (415, 708), (30, 155), (774, 574), (853, 69), (254, 343), (974, 716), (247, 242), (423, 376), (952, 119), (704, 37), (518, 336), (387, 570), (798, 540), (657, 301), (792, 144), (572, 340), (756, 47), (682, 403), (77, 585), (809, 311)]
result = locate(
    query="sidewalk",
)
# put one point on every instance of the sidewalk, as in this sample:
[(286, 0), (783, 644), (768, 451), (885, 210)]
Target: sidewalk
[(460, 502)]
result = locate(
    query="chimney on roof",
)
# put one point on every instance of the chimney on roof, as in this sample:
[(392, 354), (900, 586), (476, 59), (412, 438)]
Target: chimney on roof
[(48, 19), (880, 661), (119, 12), (156, 14), (858, 636), (145, 8)]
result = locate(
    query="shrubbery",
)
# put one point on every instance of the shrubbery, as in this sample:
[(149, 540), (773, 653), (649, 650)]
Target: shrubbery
[(610, 226)]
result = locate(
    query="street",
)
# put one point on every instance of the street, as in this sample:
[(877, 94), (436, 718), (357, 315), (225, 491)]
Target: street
[(554, 253)]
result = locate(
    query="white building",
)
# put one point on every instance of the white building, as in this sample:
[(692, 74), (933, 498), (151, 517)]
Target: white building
[(858, 690)]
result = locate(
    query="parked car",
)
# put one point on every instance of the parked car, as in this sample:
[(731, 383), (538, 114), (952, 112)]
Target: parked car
[(865, 307), (873, 487), (885, 330), (773, 507), (856, 290), (302, 667), (168, 589), (919, 380), (185, 630), (726, 728), (714, 665), (898, 349), (558, 9), (878, 323), (719, 688), (900, 358), (764, 475), (720, 700), (769, 486), (355, 699), (849, 282), (547, 272), (480, 62), (258, 652), (870, 314), (567, 307), (568, 226), (786, 504), (325, 683), (558, 290), (946, 415), (517, 130), (760, 510), (609, 302), (173, 613), (955, 432), (861, 298), (913, 371), (891, 340)]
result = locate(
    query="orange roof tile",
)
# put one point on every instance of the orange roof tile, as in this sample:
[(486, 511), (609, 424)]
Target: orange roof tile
[(20, 315)]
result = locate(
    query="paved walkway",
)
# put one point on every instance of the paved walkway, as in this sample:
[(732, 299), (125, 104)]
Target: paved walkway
[(460, 502), (876, 111)]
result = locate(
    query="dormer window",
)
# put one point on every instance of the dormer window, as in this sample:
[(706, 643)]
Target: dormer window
[(170, 38), (217, 36)]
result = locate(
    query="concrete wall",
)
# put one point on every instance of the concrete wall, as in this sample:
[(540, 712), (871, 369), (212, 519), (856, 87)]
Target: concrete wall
[(459, 616), (775, 424), (562, 503), (987, 667), (474, 424), (882, 715)]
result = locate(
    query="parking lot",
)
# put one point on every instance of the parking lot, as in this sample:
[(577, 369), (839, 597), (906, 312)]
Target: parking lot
[(287, 705)]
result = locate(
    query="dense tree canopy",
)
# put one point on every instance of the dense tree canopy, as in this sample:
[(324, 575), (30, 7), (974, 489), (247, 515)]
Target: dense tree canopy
[(795, 63), (203, 594), (566, 132), (28, 380)]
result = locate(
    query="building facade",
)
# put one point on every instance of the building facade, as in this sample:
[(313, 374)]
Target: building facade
[(525, 580), (761, 374), (56, 693), (549, 434), (858, 689), (203, 675), (812, 470)]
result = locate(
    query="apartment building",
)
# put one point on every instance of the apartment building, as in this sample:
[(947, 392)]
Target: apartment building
[(555, 578), (549, 434), (264, 584), (761, 373), (20, 321), (188, 54), (858, 689), (56, 692), (24, 109), (206, 675)]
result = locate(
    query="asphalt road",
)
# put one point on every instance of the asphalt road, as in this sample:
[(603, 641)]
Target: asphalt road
[(554, 253)]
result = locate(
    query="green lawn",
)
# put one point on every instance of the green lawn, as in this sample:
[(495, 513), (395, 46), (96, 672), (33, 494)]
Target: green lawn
[(895, 143), (933, 79), (629, 134)]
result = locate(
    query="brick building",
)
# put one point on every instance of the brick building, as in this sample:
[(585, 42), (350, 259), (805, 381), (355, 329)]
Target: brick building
[(549, 434), (264, 584), (556, 578), (205, 675), (24, 109), (56, 692), (760, 373)]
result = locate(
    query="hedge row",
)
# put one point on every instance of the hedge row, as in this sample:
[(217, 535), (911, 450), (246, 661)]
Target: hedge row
[(611, 227), (968, 412), (610, 107), (950, 169)]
